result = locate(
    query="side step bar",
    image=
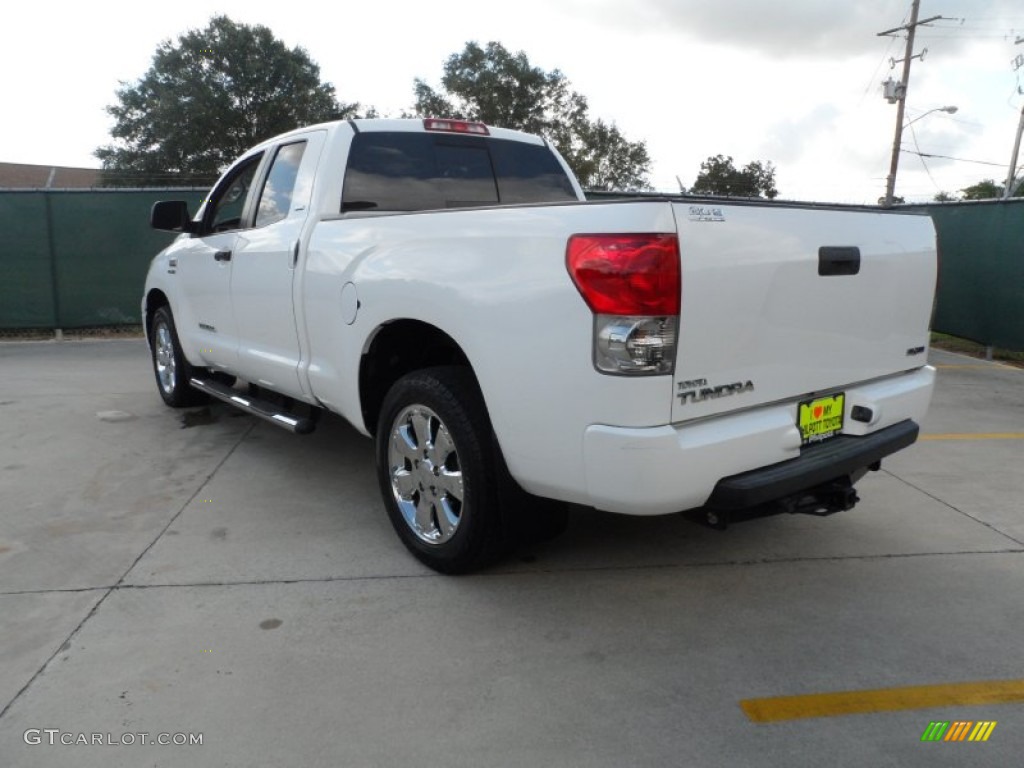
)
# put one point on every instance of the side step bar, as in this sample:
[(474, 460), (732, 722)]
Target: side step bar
[(264, 409)]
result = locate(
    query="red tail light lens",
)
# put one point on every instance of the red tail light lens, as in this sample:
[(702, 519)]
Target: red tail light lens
[(626, 274)]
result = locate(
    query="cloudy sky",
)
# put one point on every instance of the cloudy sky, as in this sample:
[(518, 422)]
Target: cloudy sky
[(796, 82)]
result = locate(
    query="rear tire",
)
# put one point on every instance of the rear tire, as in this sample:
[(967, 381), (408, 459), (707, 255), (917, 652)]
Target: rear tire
[(437, 470), (170, 367)]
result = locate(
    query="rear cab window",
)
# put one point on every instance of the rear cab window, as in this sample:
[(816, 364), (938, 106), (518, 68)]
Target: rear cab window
[(425, 171)]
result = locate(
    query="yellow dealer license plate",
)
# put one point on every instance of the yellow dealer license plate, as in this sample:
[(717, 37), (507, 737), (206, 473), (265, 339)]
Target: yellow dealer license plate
[(820, 419)]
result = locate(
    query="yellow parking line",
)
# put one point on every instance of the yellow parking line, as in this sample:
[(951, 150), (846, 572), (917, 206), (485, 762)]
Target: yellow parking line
[(775, 709), (975, 436)]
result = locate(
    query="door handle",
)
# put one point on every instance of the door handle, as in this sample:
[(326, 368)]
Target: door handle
[(835, 260), (222, 256)]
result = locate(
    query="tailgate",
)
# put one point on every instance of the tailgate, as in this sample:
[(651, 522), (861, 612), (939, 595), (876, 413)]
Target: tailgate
[(776, 306)]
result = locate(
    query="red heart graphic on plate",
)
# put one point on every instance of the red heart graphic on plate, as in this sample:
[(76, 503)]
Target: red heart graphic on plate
[(817, 411)]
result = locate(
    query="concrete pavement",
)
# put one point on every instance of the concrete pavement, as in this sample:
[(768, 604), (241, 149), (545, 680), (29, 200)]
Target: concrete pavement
[(231, 580)]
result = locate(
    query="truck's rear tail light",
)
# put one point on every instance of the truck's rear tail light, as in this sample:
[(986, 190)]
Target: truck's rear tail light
[(635, 345), (455, 126), (632, 284), (626, 274)]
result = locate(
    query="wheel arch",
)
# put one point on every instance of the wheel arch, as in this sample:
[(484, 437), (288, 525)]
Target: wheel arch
[(154, 300), (395, 349)]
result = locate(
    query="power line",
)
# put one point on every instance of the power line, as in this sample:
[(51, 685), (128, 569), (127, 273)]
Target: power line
[(1001, 28), (888, 50), (948, 157), (913, 135), (966, 37)]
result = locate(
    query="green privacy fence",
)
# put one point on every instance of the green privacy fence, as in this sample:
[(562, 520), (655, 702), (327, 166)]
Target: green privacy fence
[(981, 275), (77, 258), (981, 267)]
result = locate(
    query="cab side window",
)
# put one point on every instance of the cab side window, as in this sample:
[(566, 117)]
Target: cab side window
[(276, 196), (227, 205)]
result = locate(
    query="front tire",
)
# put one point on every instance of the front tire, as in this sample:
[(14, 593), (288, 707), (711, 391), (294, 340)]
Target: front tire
[(170, 367), (436, 470)]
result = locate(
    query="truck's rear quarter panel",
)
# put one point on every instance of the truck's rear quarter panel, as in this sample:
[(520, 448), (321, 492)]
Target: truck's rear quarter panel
[(494, 280)]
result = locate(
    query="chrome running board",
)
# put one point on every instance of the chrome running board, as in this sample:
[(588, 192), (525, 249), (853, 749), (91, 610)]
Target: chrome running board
[(263, 409)]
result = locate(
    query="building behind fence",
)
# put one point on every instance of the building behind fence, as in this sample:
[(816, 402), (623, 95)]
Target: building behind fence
[(78, 258)]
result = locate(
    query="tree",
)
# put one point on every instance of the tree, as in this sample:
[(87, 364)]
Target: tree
[(988, 189), (718, 176), (983, 190), (944, 197), (492, 85), (209, 97)]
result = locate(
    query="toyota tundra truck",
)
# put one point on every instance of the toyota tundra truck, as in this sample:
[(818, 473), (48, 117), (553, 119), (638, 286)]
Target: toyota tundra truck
[(512, 348)]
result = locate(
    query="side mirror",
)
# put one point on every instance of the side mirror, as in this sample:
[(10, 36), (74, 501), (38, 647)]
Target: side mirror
[(171, 215)]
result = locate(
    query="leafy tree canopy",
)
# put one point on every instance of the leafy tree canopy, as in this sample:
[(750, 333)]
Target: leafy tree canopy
[(209, 97), (494, 86), (719, 176), (987, 189)]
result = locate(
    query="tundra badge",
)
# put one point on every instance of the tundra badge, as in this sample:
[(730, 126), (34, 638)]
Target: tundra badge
[(697, 390)]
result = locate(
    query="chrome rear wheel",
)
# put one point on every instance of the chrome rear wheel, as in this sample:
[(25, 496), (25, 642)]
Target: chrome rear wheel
[(436, 460), (426, 475)]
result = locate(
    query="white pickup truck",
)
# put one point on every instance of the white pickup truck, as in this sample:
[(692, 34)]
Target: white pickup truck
[(444, 287)]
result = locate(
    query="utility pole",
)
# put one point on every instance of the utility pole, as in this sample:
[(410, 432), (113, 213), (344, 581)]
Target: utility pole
[(1011, 175), (901, 93)]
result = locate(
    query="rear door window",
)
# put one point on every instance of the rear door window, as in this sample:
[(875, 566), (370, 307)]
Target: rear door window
[(276, 195)]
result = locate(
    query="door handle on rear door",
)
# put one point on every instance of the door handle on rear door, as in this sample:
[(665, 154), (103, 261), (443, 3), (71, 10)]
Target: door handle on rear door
[(222, 256), (836, 260)]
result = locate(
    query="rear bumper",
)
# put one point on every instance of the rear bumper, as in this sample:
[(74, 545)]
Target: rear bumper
[(816, 465), (747, 458)]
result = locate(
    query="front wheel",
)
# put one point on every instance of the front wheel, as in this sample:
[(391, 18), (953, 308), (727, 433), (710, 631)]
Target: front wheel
[(170, 367), (436, 470)]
